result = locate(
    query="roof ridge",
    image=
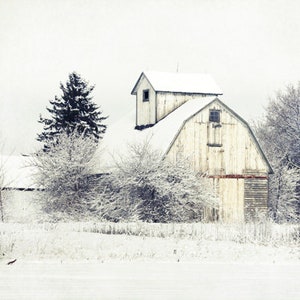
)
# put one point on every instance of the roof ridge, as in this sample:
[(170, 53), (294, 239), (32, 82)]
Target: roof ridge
[(192, 83)]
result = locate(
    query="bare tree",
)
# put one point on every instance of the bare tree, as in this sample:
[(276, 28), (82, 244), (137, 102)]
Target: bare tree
[(2, 186), (283, 125), (5, 180), (279, 135), (65, 173), (146, 187), (283, 191)]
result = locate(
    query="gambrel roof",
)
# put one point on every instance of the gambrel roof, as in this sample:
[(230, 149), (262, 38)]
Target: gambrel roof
[(162, 135), (217, 100), (180, 83)]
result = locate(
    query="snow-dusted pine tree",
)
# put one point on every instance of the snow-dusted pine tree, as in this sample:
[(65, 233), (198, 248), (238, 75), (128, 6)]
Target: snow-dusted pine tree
[(279, 136), (73, 111)]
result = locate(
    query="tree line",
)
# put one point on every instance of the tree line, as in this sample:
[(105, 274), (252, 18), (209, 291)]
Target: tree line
[(141, 185), (279, 135)]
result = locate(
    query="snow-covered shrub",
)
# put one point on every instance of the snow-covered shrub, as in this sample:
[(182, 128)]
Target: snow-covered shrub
[(65, 173), (145, 187)]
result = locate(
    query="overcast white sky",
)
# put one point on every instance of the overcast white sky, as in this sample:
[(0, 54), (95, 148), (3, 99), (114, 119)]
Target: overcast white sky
[(251, 48)]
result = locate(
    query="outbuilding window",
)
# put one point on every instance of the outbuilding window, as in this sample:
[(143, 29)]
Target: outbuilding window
[(145, 95), (214, 116)]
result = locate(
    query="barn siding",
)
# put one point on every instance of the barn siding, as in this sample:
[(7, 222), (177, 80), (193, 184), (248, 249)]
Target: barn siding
[(229, 163), (146, 111), (168, 102), (256, 197), (231, 193), (238, 153)]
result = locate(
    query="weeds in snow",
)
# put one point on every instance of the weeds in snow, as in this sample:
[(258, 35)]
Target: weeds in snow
[(131, 241)]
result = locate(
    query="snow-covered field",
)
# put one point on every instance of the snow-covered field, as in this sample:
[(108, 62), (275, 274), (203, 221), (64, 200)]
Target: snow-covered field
[(145, 280), (144, 241), (149, 261)]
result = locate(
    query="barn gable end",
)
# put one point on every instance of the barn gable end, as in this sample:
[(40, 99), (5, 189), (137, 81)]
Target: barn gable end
[(231, 142), (221, 144)]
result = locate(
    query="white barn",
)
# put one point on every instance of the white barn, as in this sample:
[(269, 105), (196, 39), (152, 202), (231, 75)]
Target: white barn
[(183, 114)]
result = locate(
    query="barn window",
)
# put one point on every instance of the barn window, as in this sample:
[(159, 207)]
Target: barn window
[(214, 134), (214, 115), (145, 95)]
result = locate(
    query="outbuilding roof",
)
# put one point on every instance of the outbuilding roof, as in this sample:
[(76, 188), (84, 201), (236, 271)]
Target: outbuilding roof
[(17, 172), (191, 83)]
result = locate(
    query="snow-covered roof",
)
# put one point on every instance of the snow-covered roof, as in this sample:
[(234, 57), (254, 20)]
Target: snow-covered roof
[(121, 134), (17, 172), (181, 83)]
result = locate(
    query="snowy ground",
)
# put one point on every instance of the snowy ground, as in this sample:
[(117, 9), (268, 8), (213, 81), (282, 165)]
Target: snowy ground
[(188, 261), (145, 280), (32, 244)]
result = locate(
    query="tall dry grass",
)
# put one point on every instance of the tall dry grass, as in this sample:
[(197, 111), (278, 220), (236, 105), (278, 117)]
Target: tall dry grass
[(266, 233)]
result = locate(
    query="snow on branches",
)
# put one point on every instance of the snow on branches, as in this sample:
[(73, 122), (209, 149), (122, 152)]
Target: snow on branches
[(65, 174), (279, 135), (143, 186), (73, 111)]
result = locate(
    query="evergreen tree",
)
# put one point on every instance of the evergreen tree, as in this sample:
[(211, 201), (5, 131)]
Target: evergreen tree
[(73, 112)]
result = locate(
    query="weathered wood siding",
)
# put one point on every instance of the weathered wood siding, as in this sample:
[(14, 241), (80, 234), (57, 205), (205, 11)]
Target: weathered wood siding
[(228, 153), (233, 152), (256, 195), (160, 104), (231, 191), (146, 111), (168, 102)]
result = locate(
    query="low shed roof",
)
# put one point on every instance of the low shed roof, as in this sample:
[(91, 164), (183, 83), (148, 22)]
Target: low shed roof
[(17, 172)]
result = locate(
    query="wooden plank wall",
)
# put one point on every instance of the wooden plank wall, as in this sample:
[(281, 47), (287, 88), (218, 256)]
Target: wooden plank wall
[(231, 193), (145, 111), (168, 102), (235, 160), (256, 198)]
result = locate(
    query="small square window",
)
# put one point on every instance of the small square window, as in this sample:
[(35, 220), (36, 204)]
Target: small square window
[(145, 95), (214, 115)]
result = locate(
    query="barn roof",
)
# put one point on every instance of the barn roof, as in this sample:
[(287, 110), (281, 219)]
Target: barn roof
[(160, 136), (193, 83), (121, 134)]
